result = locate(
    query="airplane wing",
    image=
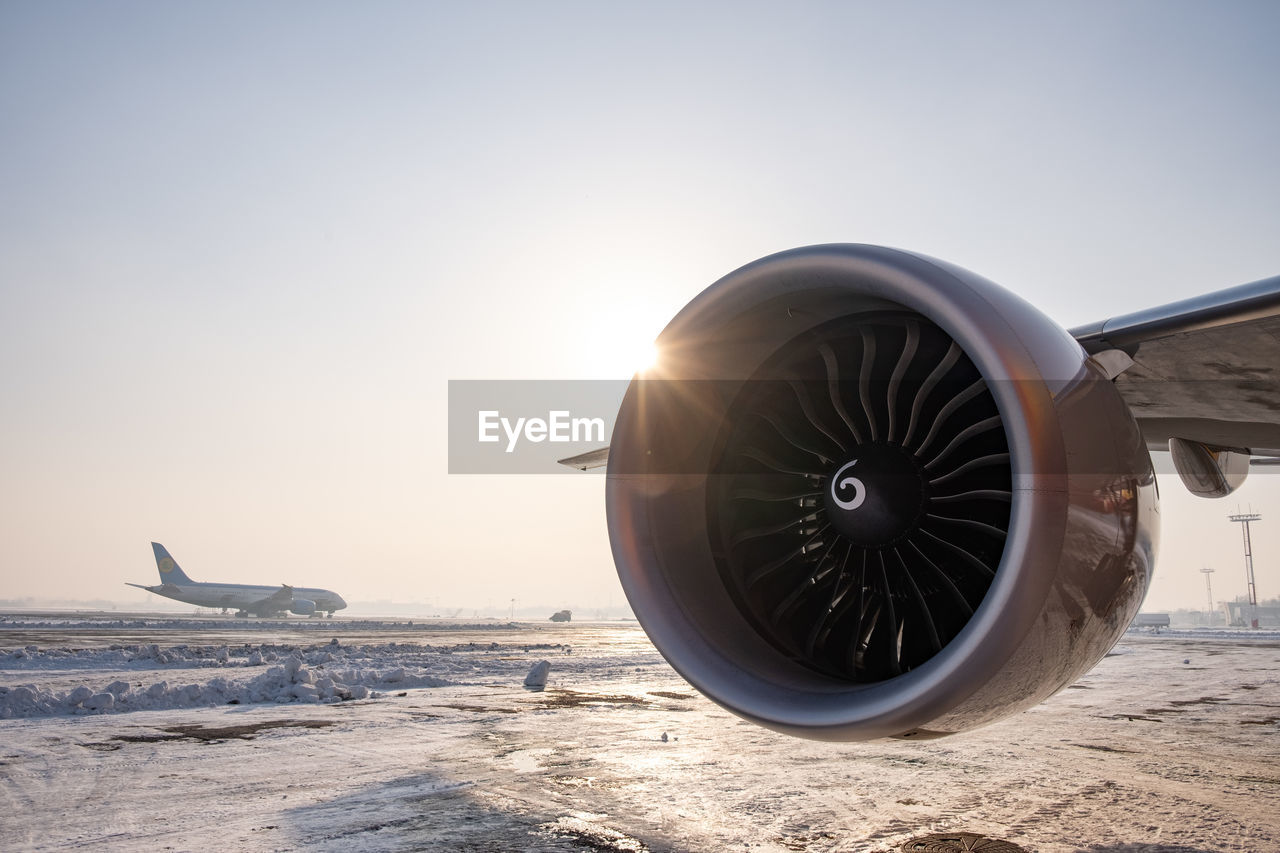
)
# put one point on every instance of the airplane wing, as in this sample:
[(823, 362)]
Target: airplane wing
[(1205, 369), (278, 600), (587, 461)]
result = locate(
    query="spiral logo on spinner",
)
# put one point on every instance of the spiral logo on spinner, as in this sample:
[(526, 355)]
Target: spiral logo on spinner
[(841, 486)]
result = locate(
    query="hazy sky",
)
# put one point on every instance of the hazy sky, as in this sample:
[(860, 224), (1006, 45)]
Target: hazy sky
[(243, 247)]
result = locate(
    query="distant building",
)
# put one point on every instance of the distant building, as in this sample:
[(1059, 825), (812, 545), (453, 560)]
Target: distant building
[(1186, 619), (1267, 613)]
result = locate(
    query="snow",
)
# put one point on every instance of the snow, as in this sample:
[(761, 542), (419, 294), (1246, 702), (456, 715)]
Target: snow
[(97, 702), (321, 626), (311, 673), (537, 677), (304, 676), (1146, 754)]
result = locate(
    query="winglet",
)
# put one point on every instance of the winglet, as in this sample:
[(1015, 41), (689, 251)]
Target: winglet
[(587, 461)]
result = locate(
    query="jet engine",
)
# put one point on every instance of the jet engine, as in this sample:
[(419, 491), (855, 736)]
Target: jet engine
[(303, 607), (867, 494)]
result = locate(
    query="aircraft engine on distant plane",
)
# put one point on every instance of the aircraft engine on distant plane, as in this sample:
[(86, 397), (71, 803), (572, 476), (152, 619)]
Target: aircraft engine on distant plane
[(303, 607), (867, 493)]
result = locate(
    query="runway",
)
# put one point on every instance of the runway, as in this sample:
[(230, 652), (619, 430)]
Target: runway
[(1170, 744)]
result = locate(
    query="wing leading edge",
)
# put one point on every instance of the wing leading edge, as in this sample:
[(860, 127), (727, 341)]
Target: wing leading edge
[(587, 461)]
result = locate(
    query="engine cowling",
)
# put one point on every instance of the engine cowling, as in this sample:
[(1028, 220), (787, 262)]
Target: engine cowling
[(302, 607), (867, 493)]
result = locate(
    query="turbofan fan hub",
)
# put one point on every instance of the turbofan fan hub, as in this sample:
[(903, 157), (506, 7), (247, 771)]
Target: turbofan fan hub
[(876, 497)]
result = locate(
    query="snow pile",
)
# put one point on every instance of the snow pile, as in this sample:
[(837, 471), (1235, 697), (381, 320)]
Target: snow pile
[(11, 620), (454, 661), (292, 681), (66, 680), (141, 656), (537, 677)]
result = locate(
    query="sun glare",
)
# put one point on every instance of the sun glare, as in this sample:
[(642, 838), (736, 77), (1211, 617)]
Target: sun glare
[(618, 353), (646, 357)]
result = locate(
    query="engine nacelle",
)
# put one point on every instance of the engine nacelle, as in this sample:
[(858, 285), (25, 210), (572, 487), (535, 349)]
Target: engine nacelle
[(867, 494), (302, 607)]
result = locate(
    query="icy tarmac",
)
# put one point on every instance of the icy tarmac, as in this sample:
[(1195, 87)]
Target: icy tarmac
[(272, 736)]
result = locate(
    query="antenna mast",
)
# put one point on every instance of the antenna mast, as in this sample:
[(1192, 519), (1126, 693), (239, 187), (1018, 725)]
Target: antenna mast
[(1244, 519), (1208, 588)]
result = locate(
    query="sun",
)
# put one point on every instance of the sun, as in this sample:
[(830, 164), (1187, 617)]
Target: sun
[(619, 350), (628, 359), (645, 357)]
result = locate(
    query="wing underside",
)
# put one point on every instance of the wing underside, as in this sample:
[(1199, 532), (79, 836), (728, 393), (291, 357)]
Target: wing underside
[(1204, 370)]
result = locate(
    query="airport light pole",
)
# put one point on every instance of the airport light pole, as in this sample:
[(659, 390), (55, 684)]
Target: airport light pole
[(1243, 519), (1208, 588)]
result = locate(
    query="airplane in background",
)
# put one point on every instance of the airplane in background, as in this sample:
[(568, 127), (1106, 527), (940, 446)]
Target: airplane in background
[(246, 598)]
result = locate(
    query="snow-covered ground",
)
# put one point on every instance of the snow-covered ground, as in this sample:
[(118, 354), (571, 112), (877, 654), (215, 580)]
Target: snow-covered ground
[(142, 677), (392, 736)]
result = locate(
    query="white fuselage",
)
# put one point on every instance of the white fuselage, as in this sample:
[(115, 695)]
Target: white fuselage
[(247, 596)]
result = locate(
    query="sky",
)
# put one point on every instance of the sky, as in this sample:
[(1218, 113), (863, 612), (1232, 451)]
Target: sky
[(244, 247)]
